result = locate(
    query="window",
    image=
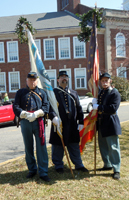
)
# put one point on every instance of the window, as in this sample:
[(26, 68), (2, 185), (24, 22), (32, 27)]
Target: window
[(2, 82), (2, 60), (80, 78), (14, 81), (69, 74), (121, 72), (38, 44), (79, 48), (49, 49), (12, 51), (64, 48), (65, 3), (52, 77), (120, 45)]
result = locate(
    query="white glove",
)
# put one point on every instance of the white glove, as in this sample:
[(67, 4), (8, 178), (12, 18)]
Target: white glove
[(24, 114), (55, 121), (80, 127), (95, 106), (38, 113), (32, 116), (94, 101)]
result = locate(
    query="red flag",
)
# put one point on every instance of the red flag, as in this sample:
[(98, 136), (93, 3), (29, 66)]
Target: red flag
[(93, 61), (88, 131)]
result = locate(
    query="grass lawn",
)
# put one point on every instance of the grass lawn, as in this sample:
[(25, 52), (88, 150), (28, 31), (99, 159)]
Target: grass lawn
[(14, 185)]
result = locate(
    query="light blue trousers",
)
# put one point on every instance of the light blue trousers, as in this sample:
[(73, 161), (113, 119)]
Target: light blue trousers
[(28, 130), (110, 151), (74, 153)]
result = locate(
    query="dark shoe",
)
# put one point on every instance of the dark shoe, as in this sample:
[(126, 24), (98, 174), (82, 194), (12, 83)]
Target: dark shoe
[(60, 170), (116, 175), (45, 178), (104, 169), (31, 174), (83, 169)]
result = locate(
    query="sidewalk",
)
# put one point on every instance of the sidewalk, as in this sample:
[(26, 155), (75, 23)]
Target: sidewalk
[(124, 103)]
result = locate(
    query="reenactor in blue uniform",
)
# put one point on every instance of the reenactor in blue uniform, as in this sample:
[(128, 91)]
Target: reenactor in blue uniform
[(109, 125), (70, 111), (31, 105)]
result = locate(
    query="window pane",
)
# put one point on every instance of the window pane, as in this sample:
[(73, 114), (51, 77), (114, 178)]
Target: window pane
[(122, 72), (82, 82), (49, 48), (14, 81), (2, 82), (64, 48), (79, 48), (52, 83), (37, 42), (120, 45), (1, 52), (13, 51), (78, 82)]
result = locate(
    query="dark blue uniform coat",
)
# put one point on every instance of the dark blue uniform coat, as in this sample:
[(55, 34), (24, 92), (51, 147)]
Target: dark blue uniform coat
[(110, 124), (70, 111), (26, 100)]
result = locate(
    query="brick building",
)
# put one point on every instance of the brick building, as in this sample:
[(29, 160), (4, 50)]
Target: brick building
[(56, 39)]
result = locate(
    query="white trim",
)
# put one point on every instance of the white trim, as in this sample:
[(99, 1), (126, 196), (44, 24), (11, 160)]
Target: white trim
[(49, 39), (3, 53), (17, 53), (74, 50), (10, 81), (4, 81), (81, 77), (59, 49), (69, 74)]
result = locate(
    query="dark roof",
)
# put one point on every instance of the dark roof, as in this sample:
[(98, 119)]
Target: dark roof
[(41, 21)]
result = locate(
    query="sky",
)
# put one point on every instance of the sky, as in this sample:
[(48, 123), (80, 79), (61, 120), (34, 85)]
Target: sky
[(21, 7)]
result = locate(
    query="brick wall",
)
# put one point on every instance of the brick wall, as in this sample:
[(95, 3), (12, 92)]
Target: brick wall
[(24, 64), (73, 6)]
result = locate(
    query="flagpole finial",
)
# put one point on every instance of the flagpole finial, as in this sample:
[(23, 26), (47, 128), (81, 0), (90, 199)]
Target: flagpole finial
[(95, 4)]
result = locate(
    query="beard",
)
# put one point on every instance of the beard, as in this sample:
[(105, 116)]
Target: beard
[(64, 81)]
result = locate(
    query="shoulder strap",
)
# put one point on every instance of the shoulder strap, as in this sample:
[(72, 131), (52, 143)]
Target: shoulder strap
[(67, 94), (36, 94)]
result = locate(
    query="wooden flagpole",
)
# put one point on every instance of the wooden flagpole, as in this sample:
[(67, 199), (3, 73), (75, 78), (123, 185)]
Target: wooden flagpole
[(67, 157), (95, 151)]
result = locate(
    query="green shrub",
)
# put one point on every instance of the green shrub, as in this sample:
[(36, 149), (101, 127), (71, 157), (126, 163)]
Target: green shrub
[(89, 94), (122, 85)]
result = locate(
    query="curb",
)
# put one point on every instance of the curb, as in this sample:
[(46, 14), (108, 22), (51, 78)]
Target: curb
[(14, 159)]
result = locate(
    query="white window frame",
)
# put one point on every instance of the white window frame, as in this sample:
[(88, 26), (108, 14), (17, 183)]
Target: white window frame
[(74, 48), (53, 78), (39, 45), (69, 74), (2, 53), (119, 70), (16, 51), (76, 77), (49, 39), (59, 48), (9, 73), (120, 45), (4, 74)]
